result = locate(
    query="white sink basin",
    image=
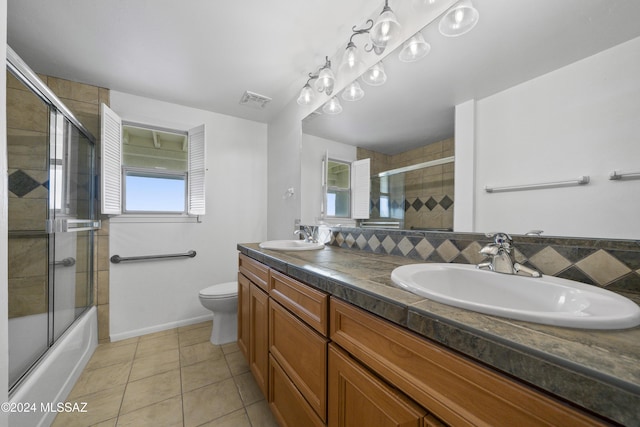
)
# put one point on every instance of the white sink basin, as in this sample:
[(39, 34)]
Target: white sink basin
[(291, 245), (547, 300)]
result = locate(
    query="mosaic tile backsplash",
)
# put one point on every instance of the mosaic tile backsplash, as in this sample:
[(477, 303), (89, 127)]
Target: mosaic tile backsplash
[(611, 264)]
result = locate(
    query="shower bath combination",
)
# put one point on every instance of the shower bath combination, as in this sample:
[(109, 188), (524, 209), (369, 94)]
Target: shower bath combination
[(52, 220)]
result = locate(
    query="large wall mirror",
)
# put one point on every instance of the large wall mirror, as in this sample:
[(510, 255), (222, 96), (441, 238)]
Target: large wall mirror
[(545, 76)]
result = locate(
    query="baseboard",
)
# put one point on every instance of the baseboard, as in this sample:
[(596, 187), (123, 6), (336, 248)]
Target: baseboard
[(157, 328)]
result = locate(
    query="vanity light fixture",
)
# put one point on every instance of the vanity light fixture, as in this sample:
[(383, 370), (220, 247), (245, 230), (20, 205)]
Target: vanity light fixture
[(353, 92), (306, 94), (326, 78), (350, 56), (332, 107), (385, 29), (459, 20), (414, 48), (375, 76)]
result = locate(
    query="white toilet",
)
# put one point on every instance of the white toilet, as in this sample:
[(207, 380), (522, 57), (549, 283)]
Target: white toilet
[(222, 300)]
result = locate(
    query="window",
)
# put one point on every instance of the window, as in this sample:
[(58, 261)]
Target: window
[(338, 189), (346, 188), (151, 170)]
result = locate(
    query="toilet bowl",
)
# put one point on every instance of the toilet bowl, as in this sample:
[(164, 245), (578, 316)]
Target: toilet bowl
[(222, 300)]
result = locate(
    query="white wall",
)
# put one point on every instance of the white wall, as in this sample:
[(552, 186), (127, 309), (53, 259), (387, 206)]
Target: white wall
[(313, 151), (284, 136), (583, 119), (148, 296), (4, 221)]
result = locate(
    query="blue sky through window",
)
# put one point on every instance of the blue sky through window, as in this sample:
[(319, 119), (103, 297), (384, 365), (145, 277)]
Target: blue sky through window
[(155, 194)]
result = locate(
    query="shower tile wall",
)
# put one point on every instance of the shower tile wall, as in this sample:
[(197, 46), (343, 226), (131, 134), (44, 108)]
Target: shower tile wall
[(28, 165), (429, 192)]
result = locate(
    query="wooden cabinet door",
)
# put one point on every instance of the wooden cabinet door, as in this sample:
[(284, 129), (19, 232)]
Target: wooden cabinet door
[(302, 353), (357, 398), (259, 337), (244, 310), (287, 404)]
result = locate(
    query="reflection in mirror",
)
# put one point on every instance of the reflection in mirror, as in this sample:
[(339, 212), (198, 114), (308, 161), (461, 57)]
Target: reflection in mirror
[(543, 105), (409, 191)]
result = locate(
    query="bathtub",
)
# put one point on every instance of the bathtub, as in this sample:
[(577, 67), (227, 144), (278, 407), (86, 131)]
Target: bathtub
[(53, 377)]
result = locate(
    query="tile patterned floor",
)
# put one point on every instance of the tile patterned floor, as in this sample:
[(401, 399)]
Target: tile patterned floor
[(169, 378)]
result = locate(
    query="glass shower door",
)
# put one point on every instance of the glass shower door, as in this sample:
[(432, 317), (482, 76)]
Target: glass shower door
[(71, 223)]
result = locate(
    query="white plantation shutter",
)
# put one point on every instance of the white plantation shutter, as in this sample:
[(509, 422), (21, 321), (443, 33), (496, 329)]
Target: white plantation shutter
[(360, 188), (197, 156), (111, 163)]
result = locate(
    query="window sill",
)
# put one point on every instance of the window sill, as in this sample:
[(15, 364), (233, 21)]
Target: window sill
[(154, 218)]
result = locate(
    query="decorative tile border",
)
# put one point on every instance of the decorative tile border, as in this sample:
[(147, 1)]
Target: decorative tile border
[(611, 264)]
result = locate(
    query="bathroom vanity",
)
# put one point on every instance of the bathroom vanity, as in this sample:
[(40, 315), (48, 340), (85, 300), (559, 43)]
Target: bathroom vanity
[(332, 342)]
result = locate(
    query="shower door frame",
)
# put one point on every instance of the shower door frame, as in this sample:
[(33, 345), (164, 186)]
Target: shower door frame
[(58, 113)]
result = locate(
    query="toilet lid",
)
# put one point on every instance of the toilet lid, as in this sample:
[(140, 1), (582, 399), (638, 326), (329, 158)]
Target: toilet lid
[(221, 290)]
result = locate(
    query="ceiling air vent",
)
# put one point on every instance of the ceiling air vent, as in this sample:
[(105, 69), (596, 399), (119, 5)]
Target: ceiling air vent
[(254, 100)]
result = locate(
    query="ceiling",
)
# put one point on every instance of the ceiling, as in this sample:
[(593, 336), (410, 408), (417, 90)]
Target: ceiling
[(205, 54)]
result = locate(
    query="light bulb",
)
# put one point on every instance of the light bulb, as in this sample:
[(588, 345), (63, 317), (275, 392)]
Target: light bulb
[(375, 76), (459, 20), (353, 92), (306, 95), (414, 49), (332, 107)]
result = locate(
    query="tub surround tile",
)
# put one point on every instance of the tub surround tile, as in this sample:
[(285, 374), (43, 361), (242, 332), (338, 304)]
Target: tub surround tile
[(598, 370)]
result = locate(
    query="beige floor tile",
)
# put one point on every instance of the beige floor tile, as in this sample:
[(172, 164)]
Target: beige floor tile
[(151, 390), (199, 352), (210, 402), (101, 379), (165, 413), (107, 354), (231, 347), (238, 418), (248, 388), (204, 373), (152, 346), (108, 423), (195, 336), (128, 341), (155, 364), (159, 334), (237, 363), (194, 326), (260, 415), (101, 406)]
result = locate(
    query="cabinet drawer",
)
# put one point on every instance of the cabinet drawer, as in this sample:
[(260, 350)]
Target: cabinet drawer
[(358, 398), (286, 402), (305, 302), (455, 389), (256, 272), (302, 353)]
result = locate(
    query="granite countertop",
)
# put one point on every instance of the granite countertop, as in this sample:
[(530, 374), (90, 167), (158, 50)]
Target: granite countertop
[(597, 370)]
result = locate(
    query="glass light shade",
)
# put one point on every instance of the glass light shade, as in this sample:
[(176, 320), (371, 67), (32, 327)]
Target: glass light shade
[(375, 76), (326, 80), (459, 20), (385, 29), (414, 49), (353, 92), (350, 58), (332, 107), (306, 95)]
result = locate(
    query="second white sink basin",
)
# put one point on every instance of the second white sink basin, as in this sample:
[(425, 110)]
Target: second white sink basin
[(547, 300), (291, 245)]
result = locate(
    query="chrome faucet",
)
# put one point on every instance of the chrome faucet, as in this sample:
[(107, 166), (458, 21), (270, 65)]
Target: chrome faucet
[(310, 233), (501, 258)]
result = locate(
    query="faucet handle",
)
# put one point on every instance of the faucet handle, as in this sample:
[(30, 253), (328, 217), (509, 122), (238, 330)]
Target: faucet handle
[(501, 238)]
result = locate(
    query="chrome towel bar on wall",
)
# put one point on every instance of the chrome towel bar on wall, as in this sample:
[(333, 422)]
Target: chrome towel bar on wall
[(116, 259), (584, 179)]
